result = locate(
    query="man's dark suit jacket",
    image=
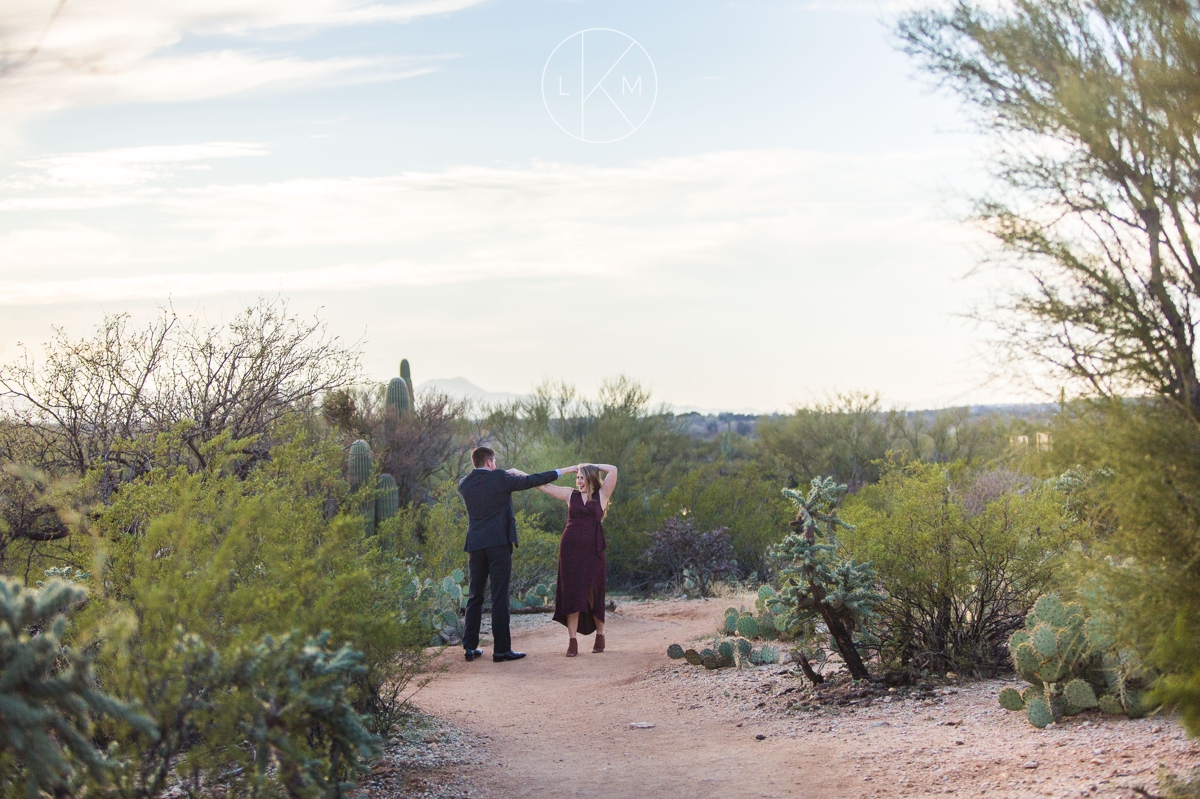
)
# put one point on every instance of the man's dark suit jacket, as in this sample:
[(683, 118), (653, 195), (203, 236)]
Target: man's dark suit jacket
[(488, 496)]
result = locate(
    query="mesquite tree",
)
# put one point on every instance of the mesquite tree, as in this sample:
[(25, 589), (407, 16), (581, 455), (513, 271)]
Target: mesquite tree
[(819, 585), (1092, 105)]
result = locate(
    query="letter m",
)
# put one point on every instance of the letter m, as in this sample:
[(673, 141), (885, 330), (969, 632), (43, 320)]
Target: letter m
[(637, 84)]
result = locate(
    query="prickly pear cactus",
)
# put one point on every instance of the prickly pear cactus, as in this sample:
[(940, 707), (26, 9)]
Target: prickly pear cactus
[(675, 652), (1071, 666), (1079, 695), (693, 657), (725, 650), (731, 620), (769, 655), (747, 627), (767, 601), (443, 601), (1010, 699), (1039, 713)]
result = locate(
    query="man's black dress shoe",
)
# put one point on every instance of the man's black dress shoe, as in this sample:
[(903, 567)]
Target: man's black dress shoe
[(500, 657), (471, 654)]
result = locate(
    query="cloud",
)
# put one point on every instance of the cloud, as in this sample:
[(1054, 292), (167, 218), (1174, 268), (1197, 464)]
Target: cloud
[(127, 166), (118, 51), (712, 211), (344, 277), (36, 251)]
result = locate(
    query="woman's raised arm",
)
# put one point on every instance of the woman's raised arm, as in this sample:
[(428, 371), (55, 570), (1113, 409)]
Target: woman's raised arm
[(610, 482)]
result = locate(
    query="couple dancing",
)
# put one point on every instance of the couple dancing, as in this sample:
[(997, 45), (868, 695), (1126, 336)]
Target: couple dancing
[(492, 534)]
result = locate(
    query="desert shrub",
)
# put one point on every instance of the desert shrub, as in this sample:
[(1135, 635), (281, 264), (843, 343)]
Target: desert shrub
[(683, 554), (1145, 501), (48, 698), (228, 560), (535, 561), (960, 563), (431, 536), (738, 497)]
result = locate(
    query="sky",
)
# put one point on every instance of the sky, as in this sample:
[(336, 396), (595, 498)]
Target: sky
[(744, 205)]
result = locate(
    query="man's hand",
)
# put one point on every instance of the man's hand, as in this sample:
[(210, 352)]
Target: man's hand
[(570, 470)]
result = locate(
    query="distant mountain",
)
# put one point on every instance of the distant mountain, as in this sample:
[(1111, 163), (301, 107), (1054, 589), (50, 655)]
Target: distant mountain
[(462, 388)]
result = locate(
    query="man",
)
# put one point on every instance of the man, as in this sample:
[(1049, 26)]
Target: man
[(491, 536)]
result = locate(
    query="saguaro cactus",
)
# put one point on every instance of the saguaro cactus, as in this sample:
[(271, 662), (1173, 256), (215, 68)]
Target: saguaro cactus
[(398, 402), (358, 471), (406, 375), (387, 499), (359, 466)]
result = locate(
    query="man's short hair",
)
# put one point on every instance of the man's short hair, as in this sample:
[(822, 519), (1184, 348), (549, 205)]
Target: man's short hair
[(481, 455)]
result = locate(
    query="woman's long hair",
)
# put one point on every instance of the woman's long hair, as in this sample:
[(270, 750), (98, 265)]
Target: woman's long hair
[(592, 480)]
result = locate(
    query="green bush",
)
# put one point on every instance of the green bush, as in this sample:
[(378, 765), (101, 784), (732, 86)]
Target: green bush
[(1145, 501), (535, 561), (202, 567), (961, 561)]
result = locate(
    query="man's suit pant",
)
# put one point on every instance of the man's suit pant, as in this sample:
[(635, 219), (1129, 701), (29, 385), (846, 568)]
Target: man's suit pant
[(494, 563)]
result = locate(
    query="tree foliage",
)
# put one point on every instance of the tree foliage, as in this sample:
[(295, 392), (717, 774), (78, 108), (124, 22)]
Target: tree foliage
[(1143, 494), (1093, 105)]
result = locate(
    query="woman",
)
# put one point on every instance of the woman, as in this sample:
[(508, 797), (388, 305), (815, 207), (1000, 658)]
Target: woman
[(582, 566)]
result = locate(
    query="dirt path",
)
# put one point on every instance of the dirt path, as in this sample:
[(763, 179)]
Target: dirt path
[(559, 727)]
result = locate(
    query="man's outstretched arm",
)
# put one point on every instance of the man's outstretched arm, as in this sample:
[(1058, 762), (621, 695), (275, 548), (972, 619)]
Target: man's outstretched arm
[(517, 480)]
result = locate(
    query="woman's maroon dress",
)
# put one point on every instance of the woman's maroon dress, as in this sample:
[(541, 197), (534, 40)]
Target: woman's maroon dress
[(582, 566)]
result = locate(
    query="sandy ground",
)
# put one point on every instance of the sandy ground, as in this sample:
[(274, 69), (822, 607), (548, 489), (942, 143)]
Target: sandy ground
[(557, 727)]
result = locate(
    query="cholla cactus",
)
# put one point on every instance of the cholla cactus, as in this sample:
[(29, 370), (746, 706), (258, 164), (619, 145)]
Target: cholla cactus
[(820, 587), (1071, 665), (817, 512), (47, 705), (300, 687)]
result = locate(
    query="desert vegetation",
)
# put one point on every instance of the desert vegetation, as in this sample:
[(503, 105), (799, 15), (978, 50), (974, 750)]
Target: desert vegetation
[(225, 555)]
